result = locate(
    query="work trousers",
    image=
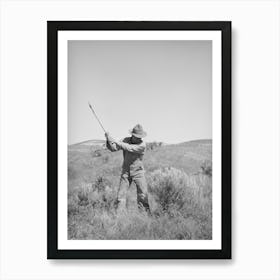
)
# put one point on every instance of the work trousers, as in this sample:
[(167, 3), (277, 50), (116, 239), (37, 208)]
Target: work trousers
[(141, 187)]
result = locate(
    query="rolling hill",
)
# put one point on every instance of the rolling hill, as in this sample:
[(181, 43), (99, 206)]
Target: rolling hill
[(179, 179), (187, 156), (90, 158)]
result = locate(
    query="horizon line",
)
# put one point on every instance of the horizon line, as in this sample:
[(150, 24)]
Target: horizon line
[(101, 140)]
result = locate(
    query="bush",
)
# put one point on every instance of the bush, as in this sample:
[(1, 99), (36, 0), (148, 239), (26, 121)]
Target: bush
[(153, 145), (103, 200), (83, 194), (168, 186), (100, 195), (206, 168), (100, 184)]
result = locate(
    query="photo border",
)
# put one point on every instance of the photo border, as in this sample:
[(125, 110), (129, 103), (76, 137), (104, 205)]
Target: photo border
[(52, 72)]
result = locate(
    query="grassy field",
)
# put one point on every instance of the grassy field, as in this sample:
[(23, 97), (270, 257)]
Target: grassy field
[(179, 181)]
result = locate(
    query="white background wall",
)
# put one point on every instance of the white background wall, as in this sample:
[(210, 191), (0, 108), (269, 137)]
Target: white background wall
[(255, 148)]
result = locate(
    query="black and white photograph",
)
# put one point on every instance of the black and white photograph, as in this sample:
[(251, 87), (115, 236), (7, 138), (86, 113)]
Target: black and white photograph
[(149, 176), (139, 140)]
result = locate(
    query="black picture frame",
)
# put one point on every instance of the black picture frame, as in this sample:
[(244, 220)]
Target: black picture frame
[(52, 138)]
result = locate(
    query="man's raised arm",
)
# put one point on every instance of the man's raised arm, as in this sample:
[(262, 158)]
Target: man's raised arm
[(133, 148), (114, 145)]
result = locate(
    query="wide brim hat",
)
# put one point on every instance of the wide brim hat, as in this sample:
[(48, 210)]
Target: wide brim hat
[(138, 131)]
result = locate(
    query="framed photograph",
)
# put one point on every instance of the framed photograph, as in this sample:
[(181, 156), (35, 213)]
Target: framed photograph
[(139, 140)]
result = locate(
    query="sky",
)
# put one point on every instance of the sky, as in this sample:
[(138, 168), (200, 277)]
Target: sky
[(166, 86)]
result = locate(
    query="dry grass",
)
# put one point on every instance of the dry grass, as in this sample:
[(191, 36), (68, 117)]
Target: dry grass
[(180, 199)]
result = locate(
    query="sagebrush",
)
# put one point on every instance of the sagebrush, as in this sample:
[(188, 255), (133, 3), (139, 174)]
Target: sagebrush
[(180, 198)]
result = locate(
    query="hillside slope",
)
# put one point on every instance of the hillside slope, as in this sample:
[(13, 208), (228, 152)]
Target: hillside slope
[(87, 162), (180, 193)]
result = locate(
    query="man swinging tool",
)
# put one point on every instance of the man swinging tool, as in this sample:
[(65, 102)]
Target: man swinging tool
[(132, 169)]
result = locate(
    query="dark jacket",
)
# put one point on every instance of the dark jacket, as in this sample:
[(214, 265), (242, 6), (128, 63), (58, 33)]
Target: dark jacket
[(132, 155)]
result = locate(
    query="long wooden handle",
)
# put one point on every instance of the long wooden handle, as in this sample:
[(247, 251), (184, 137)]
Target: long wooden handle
[(96, 117)]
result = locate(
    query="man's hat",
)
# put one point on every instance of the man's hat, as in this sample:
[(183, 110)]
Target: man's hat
[(138, 131)]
